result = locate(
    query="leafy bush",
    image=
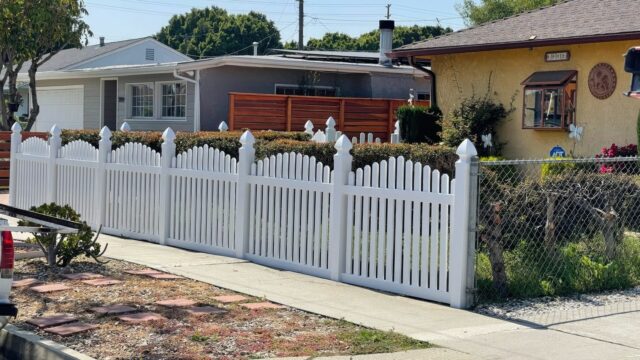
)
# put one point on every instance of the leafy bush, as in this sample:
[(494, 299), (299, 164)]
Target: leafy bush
[(323, 152), (60, 249), (474, 117), (556, 167), (229, 142), (420, 124)]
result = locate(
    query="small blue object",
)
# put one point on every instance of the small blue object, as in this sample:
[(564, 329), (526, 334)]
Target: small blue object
[(557, 151)]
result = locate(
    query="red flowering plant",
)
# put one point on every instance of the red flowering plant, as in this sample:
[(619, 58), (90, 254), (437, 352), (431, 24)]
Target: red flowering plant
[(616, 151)]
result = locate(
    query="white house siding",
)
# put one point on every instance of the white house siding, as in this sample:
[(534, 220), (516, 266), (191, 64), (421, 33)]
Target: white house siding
[(91, 98), (135, 54), (154, 124)]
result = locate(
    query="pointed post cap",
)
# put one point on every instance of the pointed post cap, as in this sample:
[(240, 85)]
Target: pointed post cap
[(247, 138), (308, 125), (466, 149), (168, 135), (397, 126), (16, 128), (223, 126), (55, 131), (105, 133), (343, 145), (331, 122), (125, 127)]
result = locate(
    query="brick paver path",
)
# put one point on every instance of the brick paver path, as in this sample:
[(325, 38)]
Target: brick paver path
[(262, 305), (70, 329), (82, 276), (227, 299), (113, 309), (52, 320), (139, 318), (25, 282), (50, 288), (176, 302)]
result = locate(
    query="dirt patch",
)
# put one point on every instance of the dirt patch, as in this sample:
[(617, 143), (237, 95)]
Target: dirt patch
[(240, 333)]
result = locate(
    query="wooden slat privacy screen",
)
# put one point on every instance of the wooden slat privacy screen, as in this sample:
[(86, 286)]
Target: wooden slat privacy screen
[(290, 113), (5, 150)]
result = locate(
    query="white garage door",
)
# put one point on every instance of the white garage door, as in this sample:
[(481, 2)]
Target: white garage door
[(63, 106)]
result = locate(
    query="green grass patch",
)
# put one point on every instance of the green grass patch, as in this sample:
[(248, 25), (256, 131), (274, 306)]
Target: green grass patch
[(368, 341)]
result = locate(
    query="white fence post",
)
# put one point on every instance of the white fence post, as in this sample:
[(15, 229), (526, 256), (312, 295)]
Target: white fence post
[(395, 136), (246, 157), (104, 148), (168, 153), (125, 127), (308, 127), (55, 142), (331, 130), (223, 127), (342, 162), (16, 141), (460, 226)]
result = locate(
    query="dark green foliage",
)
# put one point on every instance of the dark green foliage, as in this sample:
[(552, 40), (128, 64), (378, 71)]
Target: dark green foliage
[(273, 142), (60, 249), (556, 167), (438, 157), (214, 32), (490, 10), (402, 35), (420, 124), (638, 128), (474, 117)]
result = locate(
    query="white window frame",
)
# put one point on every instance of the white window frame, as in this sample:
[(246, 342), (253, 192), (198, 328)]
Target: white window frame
[(129, 101), (159, 99), (324, 87)]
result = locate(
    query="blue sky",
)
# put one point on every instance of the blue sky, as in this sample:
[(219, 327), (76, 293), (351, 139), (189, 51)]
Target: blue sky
[(126, 19)]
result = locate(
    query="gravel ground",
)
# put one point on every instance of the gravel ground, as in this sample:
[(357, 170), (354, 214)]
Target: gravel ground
[(550, 310), (239, 334)]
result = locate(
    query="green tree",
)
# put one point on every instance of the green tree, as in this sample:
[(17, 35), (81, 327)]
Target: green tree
[(33, 32), (214, 32), (370, 41), (490, 10)]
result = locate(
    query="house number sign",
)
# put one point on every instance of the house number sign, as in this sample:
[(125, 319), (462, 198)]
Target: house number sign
[(557, 56)]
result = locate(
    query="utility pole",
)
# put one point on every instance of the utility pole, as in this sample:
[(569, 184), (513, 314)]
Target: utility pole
[(388, 11), (301, 25)]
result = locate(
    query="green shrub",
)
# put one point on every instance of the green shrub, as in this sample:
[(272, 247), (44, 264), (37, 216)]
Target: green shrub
[(474, 117), (438, 157), (229, 142), (556, 167), (420, 124), (60, 249)]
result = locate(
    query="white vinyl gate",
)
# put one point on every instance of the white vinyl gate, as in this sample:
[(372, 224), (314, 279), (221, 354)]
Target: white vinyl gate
[(394, 225)]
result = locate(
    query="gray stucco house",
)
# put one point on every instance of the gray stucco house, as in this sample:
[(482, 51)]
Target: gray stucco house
[(152, 87)]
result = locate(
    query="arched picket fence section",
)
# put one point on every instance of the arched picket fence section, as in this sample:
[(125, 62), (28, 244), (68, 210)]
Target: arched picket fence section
[(398, 228), (289, 212), (135, 154), (79, 150), (35, 147), (203, 190), (394, 225)]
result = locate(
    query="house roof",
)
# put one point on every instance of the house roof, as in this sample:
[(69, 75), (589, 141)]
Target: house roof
[(349, 56), (279, 62), (567, 22), (69, 57)]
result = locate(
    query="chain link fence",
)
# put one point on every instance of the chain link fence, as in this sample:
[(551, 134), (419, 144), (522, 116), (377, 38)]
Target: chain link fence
[(561, 233)]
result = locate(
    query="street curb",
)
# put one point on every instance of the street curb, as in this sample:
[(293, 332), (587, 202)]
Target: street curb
[(21, 344)]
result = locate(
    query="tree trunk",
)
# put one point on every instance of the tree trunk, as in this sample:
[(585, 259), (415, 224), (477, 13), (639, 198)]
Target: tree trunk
[(493, 238), (35, 108), (550, 225), (612, 232), (51, 254)]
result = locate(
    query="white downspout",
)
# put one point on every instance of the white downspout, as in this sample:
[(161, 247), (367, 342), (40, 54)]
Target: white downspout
[(196, 110)]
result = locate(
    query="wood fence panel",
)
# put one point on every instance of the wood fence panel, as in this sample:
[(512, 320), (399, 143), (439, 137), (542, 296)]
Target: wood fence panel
[(290, 113), (5, 152)]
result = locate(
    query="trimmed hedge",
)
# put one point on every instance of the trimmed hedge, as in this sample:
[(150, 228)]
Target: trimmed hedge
[(229, 142), (271, 143), (420, 124)]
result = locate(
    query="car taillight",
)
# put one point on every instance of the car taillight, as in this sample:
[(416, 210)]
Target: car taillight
[(7, 255)]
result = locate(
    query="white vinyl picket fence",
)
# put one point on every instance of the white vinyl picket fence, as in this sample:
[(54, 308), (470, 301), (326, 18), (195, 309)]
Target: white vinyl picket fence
[(395, 225)]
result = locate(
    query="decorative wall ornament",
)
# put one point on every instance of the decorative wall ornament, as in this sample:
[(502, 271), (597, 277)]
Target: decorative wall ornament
[(602, 81)]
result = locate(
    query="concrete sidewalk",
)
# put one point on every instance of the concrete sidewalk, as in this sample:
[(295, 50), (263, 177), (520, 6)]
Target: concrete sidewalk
[(464, 331)]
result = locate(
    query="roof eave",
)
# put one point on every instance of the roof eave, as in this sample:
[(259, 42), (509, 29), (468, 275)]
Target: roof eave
[(104, 72), (400, 53)]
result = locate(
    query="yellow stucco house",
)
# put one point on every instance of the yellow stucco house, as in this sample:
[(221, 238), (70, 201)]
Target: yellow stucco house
[(556, 66)]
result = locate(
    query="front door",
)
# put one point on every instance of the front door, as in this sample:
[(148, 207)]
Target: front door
[(110, 103)]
